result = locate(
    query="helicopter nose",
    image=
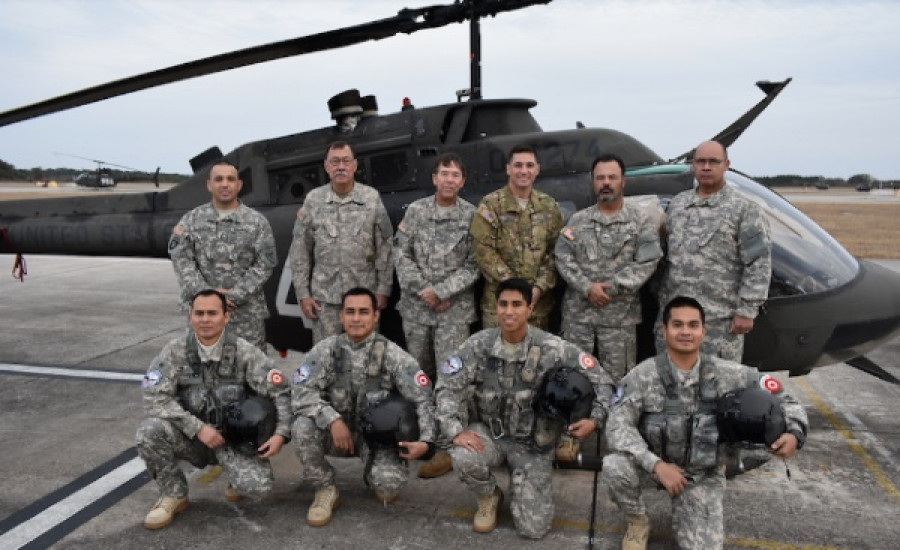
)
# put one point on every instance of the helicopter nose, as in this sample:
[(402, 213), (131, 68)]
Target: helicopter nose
[(824, 328)]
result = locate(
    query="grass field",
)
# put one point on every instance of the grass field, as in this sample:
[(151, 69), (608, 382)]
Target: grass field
[(865, 230)]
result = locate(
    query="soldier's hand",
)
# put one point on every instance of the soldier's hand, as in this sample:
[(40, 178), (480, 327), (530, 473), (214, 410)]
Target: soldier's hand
[(271, 447), (311, 308), (785, 446), (597, 294), (413, 449), (741, 324), (340, 434), (582, 429), (430, 297), (210, 437), (381, 301), (672, 478), (470, 440), (443, 306)]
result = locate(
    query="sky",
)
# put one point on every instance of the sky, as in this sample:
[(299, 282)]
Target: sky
[(670, 73)]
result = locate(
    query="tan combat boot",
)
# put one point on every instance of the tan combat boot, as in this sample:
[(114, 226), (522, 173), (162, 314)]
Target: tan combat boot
[(439, 465), (325, 502), (386, 498), (486, 515), (231, 495), (164, 511), (568, 448), (637, 534)]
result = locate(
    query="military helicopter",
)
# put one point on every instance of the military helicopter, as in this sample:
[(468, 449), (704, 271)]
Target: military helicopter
[(824, 306)]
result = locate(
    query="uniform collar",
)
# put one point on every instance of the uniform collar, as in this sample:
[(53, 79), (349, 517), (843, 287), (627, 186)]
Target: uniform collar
[(352, 196)]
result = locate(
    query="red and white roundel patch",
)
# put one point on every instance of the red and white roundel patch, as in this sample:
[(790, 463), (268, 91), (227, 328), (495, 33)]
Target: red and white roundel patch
[(275, 377), (422, 379), (770, 384), (587, 361)]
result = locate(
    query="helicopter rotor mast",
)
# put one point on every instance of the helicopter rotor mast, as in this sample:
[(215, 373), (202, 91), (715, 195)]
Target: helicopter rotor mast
[(406, 21)]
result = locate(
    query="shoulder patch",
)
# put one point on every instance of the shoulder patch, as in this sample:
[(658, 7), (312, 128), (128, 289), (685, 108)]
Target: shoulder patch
[(301, 375), (486, 214), (452, 365), (422, 379), (770, 384), (587, 361), (151, 379), (178, 230), (275, 377), (569, 233)]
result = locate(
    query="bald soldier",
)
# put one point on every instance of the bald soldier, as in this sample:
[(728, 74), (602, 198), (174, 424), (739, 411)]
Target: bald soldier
[(719, 251), (515, 230)]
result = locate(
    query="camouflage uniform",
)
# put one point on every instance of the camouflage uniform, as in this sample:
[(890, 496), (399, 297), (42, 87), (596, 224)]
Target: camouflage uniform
[(338, 378), (719, 252), (179, 388), (639, 412), (433, 248), (340, 243), (515, 242), (622, 249), (235, 251), (504, 378)]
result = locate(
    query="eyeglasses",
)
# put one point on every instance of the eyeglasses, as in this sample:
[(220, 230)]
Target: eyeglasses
[(704, 162), (337, 162)]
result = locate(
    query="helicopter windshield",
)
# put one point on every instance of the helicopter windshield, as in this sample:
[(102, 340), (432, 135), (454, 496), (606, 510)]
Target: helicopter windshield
[(805, 259)]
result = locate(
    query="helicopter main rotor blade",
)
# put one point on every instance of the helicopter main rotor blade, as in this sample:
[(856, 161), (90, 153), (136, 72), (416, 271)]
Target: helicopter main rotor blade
[(730, 134), (406, 21), (99, 162)]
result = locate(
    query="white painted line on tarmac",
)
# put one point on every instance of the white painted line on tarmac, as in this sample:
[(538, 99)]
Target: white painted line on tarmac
[(29, 530), (70, 373)]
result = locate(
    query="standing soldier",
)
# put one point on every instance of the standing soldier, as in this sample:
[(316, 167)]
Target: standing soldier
[(339, 379), (187, 391), (664, 424), (605, 254), (719, 250), (227, 246), (504, 367), (342, 240), (435, 264), (515, 230)]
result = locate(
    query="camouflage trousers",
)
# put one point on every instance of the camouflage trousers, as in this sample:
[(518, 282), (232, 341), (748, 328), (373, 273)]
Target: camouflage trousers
[(161, 445), (249, 323), (489, 320), (530, 480), (697, 516), (430, 345), (718, 342), (385, 472), (616, 346)]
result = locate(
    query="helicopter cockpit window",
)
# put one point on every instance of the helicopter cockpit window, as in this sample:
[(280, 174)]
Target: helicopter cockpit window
[(389, 171), (499, 120), (805, 259)]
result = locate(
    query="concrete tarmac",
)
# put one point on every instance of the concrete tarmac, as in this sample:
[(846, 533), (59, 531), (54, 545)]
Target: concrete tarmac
[(70, 479)]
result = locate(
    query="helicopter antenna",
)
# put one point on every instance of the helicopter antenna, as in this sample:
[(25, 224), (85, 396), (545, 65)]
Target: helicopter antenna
[(406, 21)]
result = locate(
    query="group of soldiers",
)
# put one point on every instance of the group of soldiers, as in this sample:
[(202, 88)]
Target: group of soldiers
[(473, 394)]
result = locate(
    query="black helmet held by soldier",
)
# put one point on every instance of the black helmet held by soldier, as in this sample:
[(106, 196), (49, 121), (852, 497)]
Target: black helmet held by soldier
[(565, 393), (750, 415), (389, 421), (249, 423)]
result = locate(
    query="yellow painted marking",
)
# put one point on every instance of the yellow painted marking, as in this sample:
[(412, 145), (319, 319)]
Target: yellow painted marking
[(847, 433), (773, 545), (212, 475)]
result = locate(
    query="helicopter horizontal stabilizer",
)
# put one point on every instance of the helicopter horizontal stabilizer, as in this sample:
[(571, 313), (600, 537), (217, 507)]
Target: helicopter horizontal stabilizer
[(868, 366), (730, 134)]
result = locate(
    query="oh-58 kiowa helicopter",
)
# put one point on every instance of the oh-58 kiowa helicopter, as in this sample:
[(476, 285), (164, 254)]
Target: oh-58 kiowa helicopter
[(824, 306)]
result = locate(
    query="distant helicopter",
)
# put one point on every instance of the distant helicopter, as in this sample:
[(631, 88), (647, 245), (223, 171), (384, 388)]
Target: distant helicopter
[(103, 176), (824, 306)]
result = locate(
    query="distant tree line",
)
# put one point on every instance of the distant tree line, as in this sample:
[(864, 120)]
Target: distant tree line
[(8, 172), (856, 181)]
